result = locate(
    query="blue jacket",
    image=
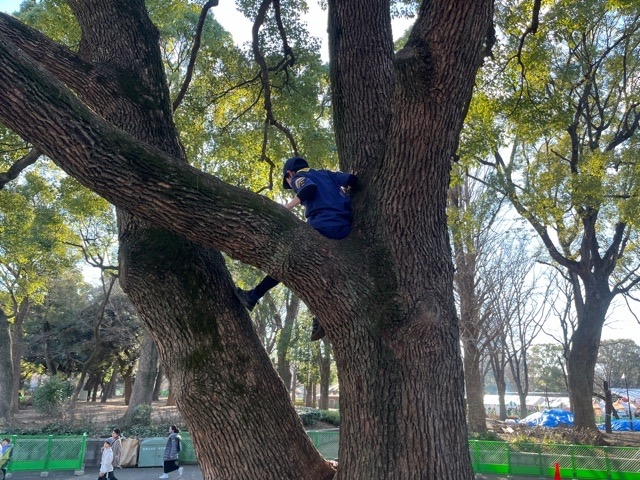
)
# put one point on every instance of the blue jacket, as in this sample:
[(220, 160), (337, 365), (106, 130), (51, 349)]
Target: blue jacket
[(327, 206)]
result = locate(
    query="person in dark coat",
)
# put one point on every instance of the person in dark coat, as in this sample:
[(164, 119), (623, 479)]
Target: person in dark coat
[(171, 452)]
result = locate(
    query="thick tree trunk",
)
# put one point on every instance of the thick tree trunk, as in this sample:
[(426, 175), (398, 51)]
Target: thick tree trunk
[(583, 355), (6, 371), (402, 357)]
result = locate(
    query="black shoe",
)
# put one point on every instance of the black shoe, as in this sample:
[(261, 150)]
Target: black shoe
[(317, 332), (246, 298)]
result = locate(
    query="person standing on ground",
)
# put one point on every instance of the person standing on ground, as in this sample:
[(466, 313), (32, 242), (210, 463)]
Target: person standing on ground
[(324, 195), (171, 452), (106, 464), (7, 448), (116, 447)]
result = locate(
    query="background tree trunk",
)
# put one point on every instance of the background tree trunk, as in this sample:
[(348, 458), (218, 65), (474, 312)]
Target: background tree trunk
[(110, 388), (145, 381), (581, 362), (474, 383), (128, 386), (17, 347), (284, 341), (6, 372), (498, 363), (324, 364), (157, 388)]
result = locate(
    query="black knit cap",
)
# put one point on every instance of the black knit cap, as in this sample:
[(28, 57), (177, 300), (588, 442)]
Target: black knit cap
[(293, 164)]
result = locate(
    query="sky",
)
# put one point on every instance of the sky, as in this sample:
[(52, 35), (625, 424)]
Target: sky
[(620, 323)]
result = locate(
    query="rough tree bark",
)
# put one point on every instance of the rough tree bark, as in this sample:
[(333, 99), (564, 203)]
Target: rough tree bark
[(384, 294), (585, 342)]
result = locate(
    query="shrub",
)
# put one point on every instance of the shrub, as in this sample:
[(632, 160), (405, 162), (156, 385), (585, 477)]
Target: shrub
[(488, 436), (141, 416), (309, 416), (330, 416), (50, 396)]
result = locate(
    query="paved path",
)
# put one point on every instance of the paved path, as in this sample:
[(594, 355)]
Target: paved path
[(191, 472)]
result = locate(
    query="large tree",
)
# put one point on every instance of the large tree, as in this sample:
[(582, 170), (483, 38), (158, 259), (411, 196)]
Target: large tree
[(384, 294)]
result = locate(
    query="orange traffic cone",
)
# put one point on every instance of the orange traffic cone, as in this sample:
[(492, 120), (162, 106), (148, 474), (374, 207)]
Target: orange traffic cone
[(557, 475)]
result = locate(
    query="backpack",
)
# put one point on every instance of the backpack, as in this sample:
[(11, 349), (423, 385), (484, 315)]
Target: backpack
[(178, 445)]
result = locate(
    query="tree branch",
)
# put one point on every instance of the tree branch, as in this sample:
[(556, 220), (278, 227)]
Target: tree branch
[(19, 165), (194, 53), (612, 254), (510, 192), (287, 61), (532, 29), (64, 64), (167, 192)]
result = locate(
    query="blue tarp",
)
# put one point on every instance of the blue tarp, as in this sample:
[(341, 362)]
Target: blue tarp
[(622, 426), (549, 418)]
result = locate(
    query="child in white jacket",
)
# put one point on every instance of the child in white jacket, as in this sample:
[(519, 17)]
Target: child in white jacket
[(106, 465)]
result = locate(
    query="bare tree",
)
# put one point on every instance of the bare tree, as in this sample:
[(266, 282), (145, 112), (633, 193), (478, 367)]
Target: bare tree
[(473, 210), (518, 310)]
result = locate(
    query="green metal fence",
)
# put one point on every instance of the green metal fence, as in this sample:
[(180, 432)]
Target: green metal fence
[(47, 453), (326, 442), (529, 460), (187, 452), (537, 460)]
